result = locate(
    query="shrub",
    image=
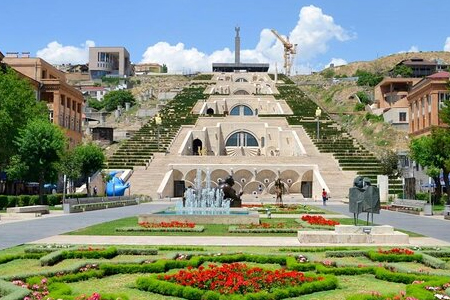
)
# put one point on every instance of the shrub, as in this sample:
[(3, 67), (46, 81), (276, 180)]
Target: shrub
[(52, 258), (3, 201), (9, 291), (433, 262), (350, 253)]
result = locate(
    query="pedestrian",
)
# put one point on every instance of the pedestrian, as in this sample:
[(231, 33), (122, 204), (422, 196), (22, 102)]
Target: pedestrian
[(95, 191), (324, 197)]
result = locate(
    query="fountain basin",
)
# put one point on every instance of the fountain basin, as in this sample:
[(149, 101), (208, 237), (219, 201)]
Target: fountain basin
[(204, 216)]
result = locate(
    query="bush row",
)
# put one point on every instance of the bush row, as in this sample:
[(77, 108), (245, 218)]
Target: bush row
[(57, 256), (136, 251), (346, 253), (152, 284), (375, 256), (25, 200), (236, 229), (9, 291), (197, 228), (318, 249), (180, 248)]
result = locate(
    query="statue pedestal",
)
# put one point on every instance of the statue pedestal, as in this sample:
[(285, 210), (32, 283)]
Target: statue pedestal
[(350, 234)]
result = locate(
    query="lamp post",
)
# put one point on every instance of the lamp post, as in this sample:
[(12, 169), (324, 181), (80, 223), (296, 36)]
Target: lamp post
[(318, 113), (158, 122)]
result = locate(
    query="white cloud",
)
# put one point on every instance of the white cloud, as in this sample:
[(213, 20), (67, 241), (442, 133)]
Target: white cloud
[(413, 49), (56, 53), (313, 32), (447, 44), (336, 62)]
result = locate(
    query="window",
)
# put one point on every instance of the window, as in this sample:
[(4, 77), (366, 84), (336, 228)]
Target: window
[(241, 139), (241, 110), (443, 97), (402, 116), (50, 115)]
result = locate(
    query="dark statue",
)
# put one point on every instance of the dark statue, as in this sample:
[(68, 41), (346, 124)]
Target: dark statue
[(230, 193), (363, 198)]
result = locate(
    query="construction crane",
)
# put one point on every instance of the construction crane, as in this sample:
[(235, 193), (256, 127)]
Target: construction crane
[(289, 52)]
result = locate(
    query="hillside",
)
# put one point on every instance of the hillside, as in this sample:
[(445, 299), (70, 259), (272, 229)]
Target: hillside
[(386, 63)]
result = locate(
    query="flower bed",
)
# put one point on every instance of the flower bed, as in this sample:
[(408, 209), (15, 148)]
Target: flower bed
[(196, 228), (318, 220), (262, 228), (394, 255), (172, 224), (237, 278)]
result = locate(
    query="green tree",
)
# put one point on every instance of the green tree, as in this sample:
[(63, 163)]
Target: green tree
[(389, 163), (118, 98), (433, 152), (402, 71), (328, 73), (366, 78), (91, 160), (363, 97), (95, 104), (164, 68), (18, 106), (41, 145), (71, 167)]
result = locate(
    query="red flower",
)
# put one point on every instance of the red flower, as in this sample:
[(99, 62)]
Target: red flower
[(399, 251), (237, 278), (172, 224), (319, 220)]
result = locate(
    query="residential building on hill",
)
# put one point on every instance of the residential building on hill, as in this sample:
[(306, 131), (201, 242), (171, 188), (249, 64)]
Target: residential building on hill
[(421, 67), (64, 102), (109, 61), (425, 101), (143, 69)]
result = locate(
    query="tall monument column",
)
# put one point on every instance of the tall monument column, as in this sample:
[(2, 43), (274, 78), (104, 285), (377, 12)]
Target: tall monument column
[(237, 47)]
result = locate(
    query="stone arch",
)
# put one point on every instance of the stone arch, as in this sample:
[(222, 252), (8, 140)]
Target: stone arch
[(177, 175), (241, 92), (243, 176), (266, 176), (219, 174), (241, 79), (241, 138), (192, 175), (295, 188), (197, 146), (289, 176), (241, 110), (251, 187), (308, 175)]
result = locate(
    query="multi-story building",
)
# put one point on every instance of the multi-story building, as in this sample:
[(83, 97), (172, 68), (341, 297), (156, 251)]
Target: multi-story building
[(421, 67), (425, 101), (143, 69), (109, 61), (64, 102), (390, 95)]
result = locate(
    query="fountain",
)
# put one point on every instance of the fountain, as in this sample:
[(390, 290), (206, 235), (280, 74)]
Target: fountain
[(203, 200), (204, 204)]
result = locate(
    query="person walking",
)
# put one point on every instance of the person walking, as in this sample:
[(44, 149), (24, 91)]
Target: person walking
[(324, 197)]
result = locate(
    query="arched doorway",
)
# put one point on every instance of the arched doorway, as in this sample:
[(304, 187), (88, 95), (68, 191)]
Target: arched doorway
[(210, 111), (197, 146), (242, 139)]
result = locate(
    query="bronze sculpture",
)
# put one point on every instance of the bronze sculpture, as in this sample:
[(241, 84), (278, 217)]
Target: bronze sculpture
[(363, 197), (230, 193)]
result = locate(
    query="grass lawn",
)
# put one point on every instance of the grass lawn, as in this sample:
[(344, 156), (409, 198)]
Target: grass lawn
[(109, 228)]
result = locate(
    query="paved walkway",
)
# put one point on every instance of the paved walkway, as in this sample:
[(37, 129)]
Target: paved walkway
[(50, 229)]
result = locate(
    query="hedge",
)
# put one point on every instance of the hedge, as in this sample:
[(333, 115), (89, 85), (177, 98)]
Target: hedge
[(376, 256), (197, 228), (9, 291), (236, 229), (25, 200)]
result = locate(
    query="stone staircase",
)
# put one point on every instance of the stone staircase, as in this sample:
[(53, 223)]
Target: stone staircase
[(350, 155)]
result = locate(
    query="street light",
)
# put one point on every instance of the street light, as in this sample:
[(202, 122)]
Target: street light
[(158, 122), (318, 113)]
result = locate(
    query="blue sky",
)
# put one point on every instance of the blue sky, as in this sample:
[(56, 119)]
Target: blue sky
[(191, 34)]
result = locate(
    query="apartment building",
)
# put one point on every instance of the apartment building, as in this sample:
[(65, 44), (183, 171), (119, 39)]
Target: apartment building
[(425, 101), (109, 61), (64, 102)]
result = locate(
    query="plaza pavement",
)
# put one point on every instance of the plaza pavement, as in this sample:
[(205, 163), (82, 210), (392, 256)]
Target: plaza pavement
[(50, 229)]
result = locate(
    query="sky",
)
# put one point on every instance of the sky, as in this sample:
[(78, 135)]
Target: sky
[(189, 35)]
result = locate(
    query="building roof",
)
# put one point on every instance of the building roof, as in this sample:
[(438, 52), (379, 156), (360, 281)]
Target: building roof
[(440, 75)]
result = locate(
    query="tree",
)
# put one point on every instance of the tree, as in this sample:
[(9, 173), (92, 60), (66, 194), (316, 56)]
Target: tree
[(328, 73), (95, 104), (91, 159), (389, 163), (402, 71), (366, 78), (433, 152), (118, 98), (70, 166), (164, 68), (18, 106), (41, 145)]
